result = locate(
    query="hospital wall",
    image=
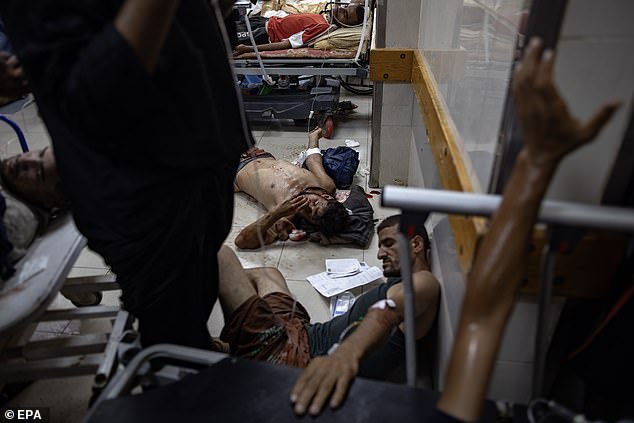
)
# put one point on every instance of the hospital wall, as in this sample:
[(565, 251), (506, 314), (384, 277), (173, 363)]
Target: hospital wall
[(470, 32)]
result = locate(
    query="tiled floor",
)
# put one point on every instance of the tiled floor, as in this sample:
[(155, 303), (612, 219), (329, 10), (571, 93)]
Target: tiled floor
[(68, 398)]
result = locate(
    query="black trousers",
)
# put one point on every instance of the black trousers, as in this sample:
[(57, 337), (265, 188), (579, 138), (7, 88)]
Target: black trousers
[(258, 29)]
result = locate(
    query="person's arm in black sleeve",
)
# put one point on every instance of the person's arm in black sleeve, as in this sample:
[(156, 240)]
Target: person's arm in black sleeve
[(78, 60), (144, 25)]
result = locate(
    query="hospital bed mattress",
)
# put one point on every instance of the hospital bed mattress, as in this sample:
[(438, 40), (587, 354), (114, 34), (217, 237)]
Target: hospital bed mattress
[(301, 53)]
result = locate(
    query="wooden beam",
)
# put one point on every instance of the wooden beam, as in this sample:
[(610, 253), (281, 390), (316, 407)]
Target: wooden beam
[(447, 150), (390, 64)]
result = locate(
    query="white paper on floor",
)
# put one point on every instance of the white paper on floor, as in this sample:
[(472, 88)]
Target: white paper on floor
[(338, 268), (328, 286)]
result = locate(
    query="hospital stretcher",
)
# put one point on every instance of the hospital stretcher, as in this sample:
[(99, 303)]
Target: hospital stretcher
[(24, 300), (291, 102), (211, 387)]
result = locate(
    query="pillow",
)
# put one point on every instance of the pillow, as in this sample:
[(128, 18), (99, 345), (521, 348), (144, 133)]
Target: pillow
[(344, 38), (360, 224), (21, 224)]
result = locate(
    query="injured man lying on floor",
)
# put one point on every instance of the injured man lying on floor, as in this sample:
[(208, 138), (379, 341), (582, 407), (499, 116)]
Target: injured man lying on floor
[(297, 199), (264, 322)]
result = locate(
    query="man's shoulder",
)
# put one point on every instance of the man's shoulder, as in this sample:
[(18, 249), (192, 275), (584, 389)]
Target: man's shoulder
[(427, 276)]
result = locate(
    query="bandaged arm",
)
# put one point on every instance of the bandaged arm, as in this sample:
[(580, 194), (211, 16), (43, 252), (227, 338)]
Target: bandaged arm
[(336, 371)]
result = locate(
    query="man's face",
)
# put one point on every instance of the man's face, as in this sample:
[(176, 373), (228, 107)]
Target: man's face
[(316, 206), (389, 251), (347, 15), (33, 176)]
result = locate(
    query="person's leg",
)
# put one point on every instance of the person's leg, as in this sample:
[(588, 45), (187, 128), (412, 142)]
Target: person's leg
[(267, 280), (234, 286)]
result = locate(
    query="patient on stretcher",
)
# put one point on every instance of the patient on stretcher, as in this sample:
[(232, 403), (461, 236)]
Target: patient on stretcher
[(296, 30), (30, 192), (292, 195), (33, 177)]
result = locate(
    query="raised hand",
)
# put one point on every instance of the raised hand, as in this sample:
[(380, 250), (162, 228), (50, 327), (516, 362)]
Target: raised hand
[(550, 131), (291, 206)]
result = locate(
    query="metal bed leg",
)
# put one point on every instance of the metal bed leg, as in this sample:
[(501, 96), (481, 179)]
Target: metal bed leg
[(543, 314)]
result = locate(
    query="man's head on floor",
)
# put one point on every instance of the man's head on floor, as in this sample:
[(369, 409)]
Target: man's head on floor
[(33, 177), (324, 212), (389, 250)]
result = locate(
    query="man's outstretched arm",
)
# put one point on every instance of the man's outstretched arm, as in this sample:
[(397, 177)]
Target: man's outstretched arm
[(280, 45), (330, 376), (315, 163), (550, 133)]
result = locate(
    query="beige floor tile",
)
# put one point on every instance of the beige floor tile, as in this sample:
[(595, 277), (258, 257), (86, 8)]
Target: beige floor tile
[(246, 210), (369, 255), (286, 129), (300, 260), (89, 258), (267, 256), (284, 148), (316, 305)]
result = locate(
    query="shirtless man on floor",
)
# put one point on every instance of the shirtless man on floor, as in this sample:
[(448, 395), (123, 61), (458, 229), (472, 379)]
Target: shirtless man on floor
[(291, 194)]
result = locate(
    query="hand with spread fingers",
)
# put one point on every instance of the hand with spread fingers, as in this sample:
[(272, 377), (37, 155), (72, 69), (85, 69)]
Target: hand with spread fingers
[(325, 377), (290, 207), (550, 131)]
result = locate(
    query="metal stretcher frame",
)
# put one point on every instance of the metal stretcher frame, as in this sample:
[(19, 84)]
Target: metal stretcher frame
[(24, 300), (334, 67), (39, 275)]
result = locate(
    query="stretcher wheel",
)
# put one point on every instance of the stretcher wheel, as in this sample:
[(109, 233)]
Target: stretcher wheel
[(86, 299), (329, 127)]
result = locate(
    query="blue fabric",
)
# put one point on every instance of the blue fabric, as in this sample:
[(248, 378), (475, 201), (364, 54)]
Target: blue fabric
[(341, 165)]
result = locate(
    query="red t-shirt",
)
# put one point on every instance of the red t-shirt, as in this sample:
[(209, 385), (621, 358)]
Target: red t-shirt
[(292, 27)]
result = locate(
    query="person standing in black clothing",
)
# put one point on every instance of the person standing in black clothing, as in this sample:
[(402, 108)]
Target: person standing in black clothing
[(147, 129)]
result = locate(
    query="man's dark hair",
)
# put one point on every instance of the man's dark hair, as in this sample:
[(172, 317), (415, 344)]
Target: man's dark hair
[(419, 228), (334, 219)]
